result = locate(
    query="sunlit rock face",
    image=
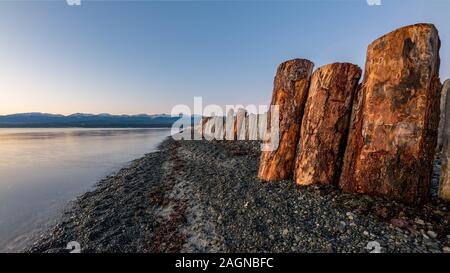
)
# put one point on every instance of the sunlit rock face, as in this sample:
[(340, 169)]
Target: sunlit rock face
[(394, 127), (290, 92), (325, 124), (444, 131)]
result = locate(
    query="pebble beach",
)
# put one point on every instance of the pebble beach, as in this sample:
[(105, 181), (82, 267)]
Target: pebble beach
[(204, 196)]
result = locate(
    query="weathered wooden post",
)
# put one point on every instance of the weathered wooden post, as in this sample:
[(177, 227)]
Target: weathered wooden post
[(262, 126), (443, 116), (444, 185), (240, 124), (325, 124), (229, 125), (393, 138), (202, 126), (290, 93), (252, 125)]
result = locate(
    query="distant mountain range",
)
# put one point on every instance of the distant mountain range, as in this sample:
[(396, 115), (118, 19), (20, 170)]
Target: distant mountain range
[(86, 120)]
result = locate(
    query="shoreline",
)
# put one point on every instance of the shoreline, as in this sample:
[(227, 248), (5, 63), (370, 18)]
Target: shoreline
[(200, 196)]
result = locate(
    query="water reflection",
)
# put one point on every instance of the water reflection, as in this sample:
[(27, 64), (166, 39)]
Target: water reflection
[(42, 169)]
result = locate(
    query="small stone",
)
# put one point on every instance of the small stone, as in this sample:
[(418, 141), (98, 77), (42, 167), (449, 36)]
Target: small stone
[(399, 223), (446, 249), (349, 215), (382, 212), (366, 233), (285, 232), (432, 234), (271, 237), (341, 226), (420, 222)]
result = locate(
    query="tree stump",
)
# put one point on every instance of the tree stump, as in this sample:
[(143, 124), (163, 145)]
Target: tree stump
[(444, 185), (229, 125), (393, 139), (443, 115), (325, 124), (252, 125), (240, 124), (290, 93)]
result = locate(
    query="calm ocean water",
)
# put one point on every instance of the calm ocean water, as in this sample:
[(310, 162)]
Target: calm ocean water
[(43, 169)]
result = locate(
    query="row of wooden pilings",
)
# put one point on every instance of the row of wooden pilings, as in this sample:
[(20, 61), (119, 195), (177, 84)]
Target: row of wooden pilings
[(378, 137)]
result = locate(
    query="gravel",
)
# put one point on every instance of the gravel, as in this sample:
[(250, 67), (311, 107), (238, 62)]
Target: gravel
[(200, 196)]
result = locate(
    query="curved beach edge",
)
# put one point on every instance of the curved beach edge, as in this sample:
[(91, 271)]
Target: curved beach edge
[(200, 196)]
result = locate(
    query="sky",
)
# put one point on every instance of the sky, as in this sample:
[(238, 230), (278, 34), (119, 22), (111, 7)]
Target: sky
[(131, 57)]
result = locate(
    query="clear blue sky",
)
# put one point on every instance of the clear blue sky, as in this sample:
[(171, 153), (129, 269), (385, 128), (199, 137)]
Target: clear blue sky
[(144, 57)]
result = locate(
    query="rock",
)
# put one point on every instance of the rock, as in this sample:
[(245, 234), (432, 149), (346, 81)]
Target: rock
[(395, 120), (446, 249), (341, 226), (432, 234), (420, 222), (399, 223), (382, 212), (350, 215), (325, 124), (444, 184), (290, 93), (443, 115)]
